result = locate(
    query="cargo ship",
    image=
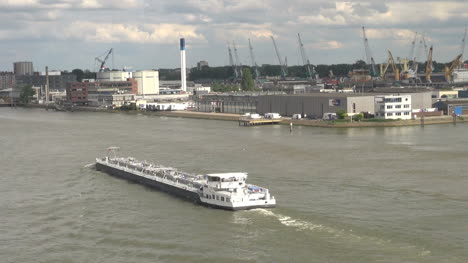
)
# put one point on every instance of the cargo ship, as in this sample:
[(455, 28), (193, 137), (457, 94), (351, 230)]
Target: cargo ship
[(227, 191)]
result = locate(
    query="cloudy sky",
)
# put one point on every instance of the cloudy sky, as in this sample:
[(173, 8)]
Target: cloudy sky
[(68, 34)]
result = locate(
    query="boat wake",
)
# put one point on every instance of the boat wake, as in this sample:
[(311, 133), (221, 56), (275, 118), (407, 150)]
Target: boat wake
[(298, 224), (90, 165), (345, 235)]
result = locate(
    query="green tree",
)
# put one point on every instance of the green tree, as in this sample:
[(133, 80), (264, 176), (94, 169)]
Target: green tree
[(247, 83), (358, 117), (341, 114), (26, 94)]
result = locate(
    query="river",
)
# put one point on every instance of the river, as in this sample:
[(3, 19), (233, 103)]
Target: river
[(395, 194)]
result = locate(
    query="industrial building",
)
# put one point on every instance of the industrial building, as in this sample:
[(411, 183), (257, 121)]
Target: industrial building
[(98, 93), (201, 64), (56, 81), (7, 80), (23, 68), (115, 75), (393, 107), (315, 105), (148, 81), (227, 103)]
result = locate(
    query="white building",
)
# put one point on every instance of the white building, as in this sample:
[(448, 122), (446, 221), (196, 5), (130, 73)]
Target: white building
[(113, 76), (393, 107), (148, 81)]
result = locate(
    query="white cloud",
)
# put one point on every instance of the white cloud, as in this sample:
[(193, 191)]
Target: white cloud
[(132, 33), (326, 45)]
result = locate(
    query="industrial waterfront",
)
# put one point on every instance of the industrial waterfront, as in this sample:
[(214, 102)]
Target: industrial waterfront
[(394, 194)]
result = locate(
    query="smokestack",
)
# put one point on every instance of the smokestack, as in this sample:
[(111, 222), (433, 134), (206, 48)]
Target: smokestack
[(47, 84), (183, 67)]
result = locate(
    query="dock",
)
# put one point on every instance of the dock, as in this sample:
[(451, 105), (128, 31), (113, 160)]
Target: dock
[(261, 121)]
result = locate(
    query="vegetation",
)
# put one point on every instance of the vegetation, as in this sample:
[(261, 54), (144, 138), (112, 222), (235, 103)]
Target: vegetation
[(218, 87), (26, 94), (358, 117), (341, 114), (86, 74), (128, 107), (247, 83), (220, 73)]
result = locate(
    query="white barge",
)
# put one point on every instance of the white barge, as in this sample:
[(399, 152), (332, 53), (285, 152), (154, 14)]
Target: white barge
[(221, 190)]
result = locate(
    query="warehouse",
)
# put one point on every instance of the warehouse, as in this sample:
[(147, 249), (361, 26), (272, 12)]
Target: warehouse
[(314, 105)]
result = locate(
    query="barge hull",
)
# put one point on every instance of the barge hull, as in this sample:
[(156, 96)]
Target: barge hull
[(179, 192)]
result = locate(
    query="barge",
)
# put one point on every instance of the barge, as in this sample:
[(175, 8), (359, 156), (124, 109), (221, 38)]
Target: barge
[(219, 190)]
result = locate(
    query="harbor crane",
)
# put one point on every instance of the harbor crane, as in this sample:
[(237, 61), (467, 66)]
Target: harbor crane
[(369, 57), (449, 69), (231, 61), (102, 67), (429, 66), (305, 60), (254, 64), (238, 63), (413, 45), (462, 49), (391, 61), (283, 65)]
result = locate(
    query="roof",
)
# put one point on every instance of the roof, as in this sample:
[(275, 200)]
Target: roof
[(228, 175)]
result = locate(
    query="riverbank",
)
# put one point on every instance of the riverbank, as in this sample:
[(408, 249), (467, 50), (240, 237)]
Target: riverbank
[(284, 121)]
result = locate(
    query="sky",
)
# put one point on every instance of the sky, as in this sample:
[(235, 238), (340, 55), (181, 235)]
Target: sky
[(69, 34)]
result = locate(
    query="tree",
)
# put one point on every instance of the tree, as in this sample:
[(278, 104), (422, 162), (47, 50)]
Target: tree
[(26, 94), (79, 74), (247, 83), (341, 114), (358, 117)]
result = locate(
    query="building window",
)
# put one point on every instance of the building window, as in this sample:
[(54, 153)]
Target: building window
[(398, 113), (406, 113), (397, 106), (389, 107), (389, 113), (382, 107), (222, 198), (406, 106)]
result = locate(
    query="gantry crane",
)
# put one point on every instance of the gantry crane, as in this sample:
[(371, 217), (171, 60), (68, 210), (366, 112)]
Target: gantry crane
[(283, 65), (102, 67)]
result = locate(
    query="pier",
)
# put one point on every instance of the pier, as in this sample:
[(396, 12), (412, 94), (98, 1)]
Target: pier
[(262, 121)]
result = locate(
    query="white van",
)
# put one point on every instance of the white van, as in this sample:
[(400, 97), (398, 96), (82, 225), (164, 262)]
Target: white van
[(329, 116)]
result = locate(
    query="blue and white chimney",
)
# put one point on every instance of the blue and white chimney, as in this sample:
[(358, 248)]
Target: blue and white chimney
[(183, 67)]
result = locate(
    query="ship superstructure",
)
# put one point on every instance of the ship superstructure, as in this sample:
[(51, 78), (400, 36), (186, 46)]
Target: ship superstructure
[(221, 190)]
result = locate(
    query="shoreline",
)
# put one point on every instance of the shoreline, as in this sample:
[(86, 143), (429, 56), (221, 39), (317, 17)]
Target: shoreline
[(284, 121)]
